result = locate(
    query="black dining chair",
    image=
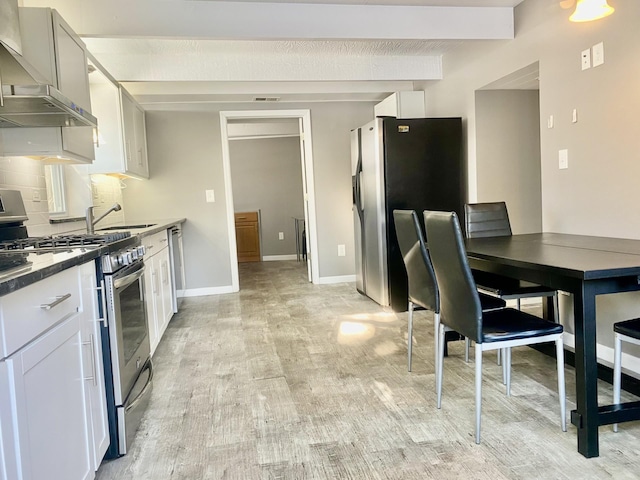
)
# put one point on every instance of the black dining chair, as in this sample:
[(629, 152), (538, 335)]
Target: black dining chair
[(492, 220), (627, 331), (461, 311), (423, 289)]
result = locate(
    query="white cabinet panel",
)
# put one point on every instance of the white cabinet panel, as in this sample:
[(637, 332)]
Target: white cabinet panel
[(98, 426), (157, 285), (49, 405)]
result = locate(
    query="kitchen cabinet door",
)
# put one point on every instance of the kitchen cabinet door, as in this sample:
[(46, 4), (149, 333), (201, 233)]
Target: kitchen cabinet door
[(150, 290), (98, 426), (48, 403), (135, 137), (165, 289), (247, 237)]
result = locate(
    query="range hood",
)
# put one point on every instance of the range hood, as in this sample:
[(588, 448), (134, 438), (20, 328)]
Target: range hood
[(26, 100)]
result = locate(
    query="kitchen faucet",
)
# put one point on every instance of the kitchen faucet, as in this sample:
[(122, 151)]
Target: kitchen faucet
[(90, 220)]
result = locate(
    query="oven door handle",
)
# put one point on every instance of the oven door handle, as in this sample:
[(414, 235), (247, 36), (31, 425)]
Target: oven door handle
[(128, 279), (142, 393)]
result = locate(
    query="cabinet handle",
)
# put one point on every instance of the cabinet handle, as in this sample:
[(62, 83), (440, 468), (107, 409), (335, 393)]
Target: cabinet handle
[(59, 299), (154, 282), (241, 218), (165, 273), (103, 298), (93, 377), (1, 95)]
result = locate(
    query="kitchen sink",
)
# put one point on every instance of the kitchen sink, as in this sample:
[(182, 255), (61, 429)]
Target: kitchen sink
[(129, 227)]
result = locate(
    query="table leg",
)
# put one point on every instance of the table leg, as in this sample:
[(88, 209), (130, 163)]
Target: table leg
[(585, 417)]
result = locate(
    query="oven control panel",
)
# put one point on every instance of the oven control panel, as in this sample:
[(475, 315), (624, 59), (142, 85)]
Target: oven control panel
[(122, 258)]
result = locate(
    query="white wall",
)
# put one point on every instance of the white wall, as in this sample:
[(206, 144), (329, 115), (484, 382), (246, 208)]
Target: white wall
[(597, 194)]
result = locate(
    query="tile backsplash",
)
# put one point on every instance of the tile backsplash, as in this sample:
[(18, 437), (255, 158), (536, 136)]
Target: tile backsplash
[(28, 176)]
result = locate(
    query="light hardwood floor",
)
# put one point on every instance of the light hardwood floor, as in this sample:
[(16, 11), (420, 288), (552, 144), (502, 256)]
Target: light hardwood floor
[(288, 380)]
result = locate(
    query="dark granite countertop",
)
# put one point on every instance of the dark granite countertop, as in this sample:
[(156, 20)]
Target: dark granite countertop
[(45, 264), (42, 265)]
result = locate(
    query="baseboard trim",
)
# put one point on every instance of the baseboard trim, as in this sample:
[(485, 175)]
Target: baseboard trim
[(277, 258), (338, 279), (202, 292)]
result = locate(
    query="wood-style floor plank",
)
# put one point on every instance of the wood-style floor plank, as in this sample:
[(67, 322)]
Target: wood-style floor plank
[(289, 380)]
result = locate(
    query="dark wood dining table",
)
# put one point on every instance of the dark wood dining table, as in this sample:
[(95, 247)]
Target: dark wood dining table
[(585, 266)]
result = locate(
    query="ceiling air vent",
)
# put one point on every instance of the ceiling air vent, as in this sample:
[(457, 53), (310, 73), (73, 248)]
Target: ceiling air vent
[(266, 99)]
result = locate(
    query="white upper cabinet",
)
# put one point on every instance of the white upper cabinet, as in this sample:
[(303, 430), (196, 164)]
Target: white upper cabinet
[(51, 46), (121, 146), (135, 136)]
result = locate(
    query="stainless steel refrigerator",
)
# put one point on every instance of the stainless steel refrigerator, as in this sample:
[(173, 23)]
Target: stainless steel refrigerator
[(400, 164)]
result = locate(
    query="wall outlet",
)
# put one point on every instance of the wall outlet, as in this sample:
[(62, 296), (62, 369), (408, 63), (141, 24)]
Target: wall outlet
[(280, 235), (563, 159), (36, 196), (585, 58), (550, 121), (598, 54), (211, 198), (341, 251)]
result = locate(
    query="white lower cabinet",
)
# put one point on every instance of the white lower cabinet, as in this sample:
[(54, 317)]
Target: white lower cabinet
[(93, 367), (52, 406), (157, 285)]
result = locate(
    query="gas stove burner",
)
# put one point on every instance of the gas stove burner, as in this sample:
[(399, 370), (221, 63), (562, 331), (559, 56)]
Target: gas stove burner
[(74, 240)]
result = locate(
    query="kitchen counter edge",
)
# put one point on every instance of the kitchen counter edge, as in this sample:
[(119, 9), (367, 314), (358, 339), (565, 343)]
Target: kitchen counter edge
[(24, 279)]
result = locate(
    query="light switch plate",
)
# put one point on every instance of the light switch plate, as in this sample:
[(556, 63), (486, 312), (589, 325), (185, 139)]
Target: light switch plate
[(598, 54), (211, 198), (341, 251), (280, 235), (563, 159)]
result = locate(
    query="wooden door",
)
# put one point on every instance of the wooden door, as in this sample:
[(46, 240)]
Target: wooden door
[(247, 237)]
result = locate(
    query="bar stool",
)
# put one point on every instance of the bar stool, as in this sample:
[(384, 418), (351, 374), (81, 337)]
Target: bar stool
[(627, 331)]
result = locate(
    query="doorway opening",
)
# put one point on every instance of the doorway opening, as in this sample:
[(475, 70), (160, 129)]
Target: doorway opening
[(508, 153), (303, 132)]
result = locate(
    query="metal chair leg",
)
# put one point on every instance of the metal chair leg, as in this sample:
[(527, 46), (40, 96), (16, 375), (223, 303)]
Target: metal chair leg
[(410, 335), (506, 370), (440, 367), (467, 346), (436, 338), (617, 371), (561, 389), (556, 308), (478, 350)]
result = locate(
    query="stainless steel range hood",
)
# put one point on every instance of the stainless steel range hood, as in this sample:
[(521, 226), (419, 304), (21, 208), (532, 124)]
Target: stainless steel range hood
[(26, 100)]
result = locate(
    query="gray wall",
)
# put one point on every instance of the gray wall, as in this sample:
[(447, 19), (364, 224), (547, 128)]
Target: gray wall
[(185, 158), (508, 154), (266, 175), (596, 195)]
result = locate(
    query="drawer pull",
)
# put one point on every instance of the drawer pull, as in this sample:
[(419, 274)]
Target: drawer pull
[(57, 301), (94, 376)]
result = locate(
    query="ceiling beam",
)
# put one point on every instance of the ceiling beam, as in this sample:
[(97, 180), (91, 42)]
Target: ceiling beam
[(273, 21)]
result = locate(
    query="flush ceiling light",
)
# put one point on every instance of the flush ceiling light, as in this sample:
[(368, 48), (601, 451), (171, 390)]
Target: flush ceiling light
[(588, 10)]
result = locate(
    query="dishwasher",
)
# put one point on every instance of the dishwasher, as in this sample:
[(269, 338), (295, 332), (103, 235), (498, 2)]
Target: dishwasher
[(178, 282)]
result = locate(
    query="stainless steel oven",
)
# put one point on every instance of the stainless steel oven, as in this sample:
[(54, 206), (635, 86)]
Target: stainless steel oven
[(128, 354)]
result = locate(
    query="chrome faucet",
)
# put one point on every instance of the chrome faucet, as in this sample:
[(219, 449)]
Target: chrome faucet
[(90, 220)]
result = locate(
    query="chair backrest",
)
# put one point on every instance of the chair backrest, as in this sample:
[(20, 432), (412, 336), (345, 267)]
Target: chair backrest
[(460, 306), (487, 220), (423, 289)]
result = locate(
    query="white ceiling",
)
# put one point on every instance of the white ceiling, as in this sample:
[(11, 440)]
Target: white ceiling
[(175, 54)]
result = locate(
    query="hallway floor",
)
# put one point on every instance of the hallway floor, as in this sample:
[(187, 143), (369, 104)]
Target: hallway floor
[(289, 380)]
